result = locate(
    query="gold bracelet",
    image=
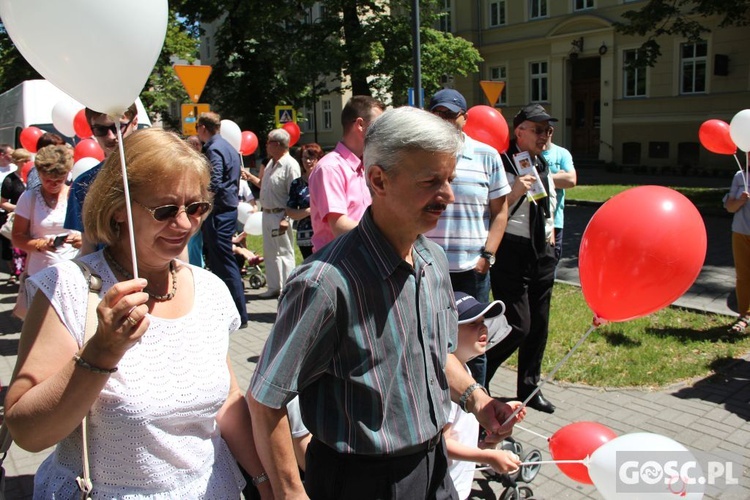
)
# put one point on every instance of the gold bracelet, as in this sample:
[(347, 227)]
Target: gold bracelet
[(79, 361)]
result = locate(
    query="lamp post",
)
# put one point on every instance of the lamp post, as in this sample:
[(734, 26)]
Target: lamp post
[(416, 55)]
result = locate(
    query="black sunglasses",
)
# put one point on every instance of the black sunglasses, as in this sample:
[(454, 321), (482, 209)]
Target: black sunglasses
[(165, 212), (103, 130)]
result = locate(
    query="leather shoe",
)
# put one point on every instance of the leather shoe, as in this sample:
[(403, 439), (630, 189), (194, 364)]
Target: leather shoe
[(270, 294), (540, 403)]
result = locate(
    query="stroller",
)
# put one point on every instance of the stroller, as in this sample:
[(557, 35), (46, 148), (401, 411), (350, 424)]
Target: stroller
[(250, 266), (526, 474)]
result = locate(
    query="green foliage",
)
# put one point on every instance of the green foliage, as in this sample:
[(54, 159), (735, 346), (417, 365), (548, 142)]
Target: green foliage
[(14, 68), (684, 18)]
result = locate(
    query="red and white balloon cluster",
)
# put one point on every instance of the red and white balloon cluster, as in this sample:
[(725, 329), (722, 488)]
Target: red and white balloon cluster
[(725, 138)]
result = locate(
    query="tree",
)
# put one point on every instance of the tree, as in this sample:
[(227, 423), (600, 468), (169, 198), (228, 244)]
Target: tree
[(287, 52), (14, 69), (683, 18)]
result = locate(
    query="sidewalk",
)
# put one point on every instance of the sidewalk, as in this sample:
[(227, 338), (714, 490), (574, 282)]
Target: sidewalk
[(709, 415)]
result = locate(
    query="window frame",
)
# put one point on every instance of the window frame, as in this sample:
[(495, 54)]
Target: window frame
[(327, 107), (502, 13), (539, 82), (502, 101), (637, 73), (696, 64), (539, 5)]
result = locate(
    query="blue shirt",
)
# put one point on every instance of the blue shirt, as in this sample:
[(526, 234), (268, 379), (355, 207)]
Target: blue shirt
[(559, 159), (363, 337), (225, 173), (299, 198), (741, 218), (78, 191), (462, 229)]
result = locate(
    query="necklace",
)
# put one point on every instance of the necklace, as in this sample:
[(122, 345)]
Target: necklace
[(161, 298), (50, 203)]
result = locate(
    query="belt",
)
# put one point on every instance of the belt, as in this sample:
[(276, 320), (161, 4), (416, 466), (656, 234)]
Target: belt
[(516, 239), (425, 447), (273, 210), (417, 449)]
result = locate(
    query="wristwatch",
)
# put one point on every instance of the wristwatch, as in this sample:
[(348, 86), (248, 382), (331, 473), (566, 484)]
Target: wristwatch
[(488, 255)]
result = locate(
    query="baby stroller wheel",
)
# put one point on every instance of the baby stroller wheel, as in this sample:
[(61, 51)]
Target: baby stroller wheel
[(516, 493), (529, 472), (256, 280)]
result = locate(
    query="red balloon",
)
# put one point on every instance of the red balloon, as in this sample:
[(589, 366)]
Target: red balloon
[(714, 135), (81, 125), (25, 169), (577, 441), (640, 252), (294, 132), (486, 124), (249, 143), (29, 137), (88, 148)]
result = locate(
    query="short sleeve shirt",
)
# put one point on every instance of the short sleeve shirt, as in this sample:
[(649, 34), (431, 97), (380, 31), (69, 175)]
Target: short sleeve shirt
[(559, 159)]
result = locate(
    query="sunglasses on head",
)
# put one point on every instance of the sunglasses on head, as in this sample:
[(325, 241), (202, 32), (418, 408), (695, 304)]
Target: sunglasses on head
[(165, 212), (103, 130)]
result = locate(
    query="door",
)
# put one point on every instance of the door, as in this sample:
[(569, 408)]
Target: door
[(586, 116)]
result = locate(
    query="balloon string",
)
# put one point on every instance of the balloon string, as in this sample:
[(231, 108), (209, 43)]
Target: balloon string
[(128, 206), (585, 461), (531, 432), (551, 374), (739, 165)]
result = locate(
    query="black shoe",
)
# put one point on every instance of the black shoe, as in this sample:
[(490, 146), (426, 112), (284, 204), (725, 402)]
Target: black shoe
[(540, 403), (243, 325)]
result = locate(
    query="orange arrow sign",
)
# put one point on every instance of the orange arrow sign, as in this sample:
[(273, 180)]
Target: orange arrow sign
[(492, 90), (193, 78)]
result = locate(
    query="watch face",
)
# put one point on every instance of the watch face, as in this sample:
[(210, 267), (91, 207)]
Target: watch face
[(492, 260)]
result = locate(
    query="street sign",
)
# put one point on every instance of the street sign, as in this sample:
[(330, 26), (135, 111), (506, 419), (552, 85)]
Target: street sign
[(285, 114), (492, 90), (193, 78), (190, 114), (411, 98)]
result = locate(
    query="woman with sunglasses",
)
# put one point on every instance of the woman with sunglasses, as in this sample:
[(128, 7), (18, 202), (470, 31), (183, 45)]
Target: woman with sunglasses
[(166, 416), (298, 205), (40, 212)]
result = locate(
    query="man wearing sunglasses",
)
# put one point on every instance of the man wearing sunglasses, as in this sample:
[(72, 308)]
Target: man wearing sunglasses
[(218, 228), (470, 230), (525, 270), (104, 130)]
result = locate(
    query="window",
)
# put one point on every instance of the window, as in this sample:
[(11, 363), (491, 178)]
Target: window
[(583, 4), (445, 18), (497, 13), (634, 77), (693, 70), (500, 73), (538, 81), (537, 9), (309, 125), (327, 114)]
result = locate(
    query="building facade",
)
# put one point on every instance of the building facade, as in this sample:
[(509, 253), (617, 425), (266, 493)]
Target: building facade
[(566, 55)]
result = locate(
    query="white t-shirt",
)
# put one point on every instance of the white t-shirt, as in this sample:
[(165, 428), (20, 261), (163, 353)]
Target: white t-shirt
[(152, 431), (44, 222), (464, 429)]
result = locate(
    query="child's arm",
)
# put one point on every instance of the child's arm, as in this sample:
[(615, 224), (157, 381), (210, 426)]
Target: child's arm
[(500, 460)]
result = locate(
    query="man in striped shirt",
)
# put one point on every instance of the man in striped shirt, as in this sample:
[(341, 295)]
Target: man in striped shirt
[(363, 335)]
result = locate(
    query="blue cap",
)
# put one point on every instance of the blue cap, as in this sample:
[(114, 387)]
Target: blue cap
[(450, 99)]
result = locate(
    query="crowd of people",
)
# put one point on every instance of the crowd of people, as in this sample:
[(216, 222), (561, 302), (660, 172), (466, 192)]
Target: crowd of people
[(428, 259)]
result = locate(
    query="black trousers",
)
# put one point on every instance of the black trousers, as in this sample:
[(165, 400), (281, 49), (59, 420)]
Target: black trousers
[(333, 475), (524, 283)]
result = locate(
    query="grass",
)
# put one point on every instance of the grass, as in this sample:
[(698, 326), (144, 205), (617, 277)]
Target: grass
[(660, 349), (703, 198), (663, 348)]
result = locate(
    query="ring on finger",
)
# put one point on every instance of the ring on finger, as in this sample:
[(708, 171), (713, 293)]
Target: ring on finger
[(131, 320)]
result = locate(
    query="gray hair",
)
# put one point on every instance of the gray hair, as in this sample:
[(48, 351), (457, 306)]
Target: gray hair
[(405, 129), (280, 135)]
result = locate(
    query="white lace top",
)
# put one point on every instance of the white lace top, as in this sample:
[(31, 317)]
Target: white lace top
[(153, 431)]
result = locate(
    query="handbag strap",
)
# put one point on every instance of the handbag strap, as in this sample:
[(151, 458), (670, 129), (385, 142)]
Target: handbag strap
[(95, 285)]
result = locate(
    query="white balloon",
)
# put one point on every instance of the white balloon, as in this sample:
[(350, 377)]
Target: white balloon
[(232, 133), (99, 53), (603, 466), (63, 114), (739, 130), (244, 210), (83, 165), (254, 224)]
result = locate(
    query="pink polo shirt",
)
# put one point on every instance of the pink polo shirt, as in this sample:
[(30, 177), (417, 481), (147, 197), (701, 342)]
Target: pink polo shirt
[(337, 186)]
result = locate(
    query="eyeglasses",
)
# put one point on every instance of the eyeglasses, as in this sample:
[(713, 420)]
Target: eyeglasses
[(539, 130), (103, 130), (446, 114), (309, 158), (165, 212)]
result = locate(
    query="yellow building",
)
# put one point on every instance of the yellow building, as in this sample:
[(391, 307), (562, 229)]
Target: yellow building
[(566, 55)]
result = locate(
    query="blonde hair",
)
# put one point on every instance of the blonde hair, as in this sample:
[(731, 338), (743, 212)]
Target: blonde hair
[(54, 161), (20, 156), (153, 158)]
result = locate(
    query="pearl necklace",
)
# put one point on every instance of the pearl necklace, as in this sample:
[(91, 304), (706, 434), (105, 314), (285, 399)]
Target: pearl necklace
[(161, 298)]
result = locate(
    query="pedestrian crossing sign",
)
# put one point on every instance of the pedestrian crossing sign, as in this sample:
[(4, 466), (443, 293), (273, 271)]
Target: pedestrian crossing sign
[(285, 114)]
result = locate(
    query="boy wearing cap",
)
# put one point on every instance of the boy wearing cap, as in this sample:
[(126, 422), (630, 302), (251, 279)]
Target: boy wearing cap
[(462, 432), (525, 271)]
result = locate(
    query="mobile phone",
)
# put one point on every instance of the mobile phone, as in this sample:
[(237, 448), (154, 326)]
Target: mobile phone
[(59, 240)]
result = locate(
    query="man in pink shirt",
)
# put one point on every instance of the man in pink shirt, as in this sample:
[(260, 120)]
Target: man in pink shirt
[(338, 189)]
